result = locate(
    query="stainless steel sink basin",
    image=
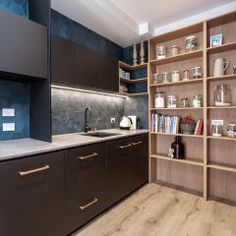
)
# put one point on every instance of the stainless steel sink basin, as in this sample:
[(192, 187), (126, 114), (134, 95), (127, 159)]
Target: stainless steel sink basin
[(99, 134)]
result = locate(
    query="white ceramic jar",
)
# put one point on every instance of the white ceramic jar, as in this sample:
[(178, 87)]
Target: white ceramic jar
[(175, 76)]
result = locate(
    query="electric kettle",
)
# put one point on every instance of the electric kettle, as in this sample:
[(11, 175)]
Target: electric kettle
[(220, 66), (125, 123)]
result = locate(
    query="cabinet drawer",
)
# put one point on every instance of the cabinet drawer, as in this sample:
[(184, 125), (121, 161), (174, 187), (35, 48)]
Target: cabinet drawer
[(32, 195)]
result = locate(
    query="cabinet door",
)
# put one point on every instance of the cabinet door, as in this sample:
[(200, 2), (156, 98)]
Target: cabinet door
[(89, 64), (23, 46), (109, 79), (85, 182), (127, 166), (64, 57), (32, 196)]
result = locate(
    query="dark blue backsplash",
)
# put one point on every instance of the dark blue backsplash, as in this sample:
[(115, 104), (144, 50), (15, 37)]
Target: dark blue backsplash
[(67, 28), (15, 95), (19, 7)]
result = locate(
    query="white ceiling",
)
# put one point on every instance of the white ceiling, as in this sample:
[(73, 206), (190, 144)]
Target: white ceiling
[(119, 20)]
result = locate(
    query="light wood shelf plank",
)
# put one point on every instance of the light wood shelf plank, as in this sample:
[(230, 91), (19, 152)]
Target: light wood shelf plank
[(222, 48), (133, 81), (225, 77), (179, 57), (189, 161), (178, 83), (181, 135), (222, 167), (126, 66), (177, 108), (223, 107), (134, 94), (222, 138)]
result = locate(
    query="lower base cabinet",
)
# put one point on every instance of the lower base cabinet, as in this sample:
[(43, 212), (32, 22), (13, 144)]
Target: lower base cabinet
[(54, 194), (31, 199)]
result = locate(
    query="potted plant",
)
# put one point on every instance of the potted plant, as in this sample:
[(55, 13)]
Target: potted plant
[(187, 125)]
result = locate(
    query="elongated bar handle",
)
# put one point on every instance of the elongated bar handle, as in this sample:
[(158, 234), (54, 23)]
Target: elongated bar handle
[(29, 172), (137, 143), (84, 207), (125, 146), (82, 158)]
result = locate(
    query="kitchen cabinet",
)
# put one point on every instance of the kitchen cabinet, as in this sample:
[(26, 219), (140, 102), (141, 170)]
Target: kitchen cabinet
[(31, 199), (23, 47), (77, 66), (64, 59), (127, 169), (85, 184)]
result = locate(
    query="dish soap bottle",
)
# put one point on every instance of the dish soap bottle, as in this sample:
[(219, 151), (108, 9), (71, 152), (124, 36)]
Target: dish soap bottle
[(177, 148)]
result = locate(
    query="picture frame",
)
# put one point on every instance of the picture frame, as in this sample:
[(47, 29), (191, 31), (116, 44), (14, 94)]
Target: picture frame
[(216, 40)]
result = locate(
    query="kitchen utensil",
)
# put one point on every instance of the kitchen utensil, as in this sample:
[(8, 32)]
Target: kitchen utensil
[(222, 95), (125, 123), (220, 66)]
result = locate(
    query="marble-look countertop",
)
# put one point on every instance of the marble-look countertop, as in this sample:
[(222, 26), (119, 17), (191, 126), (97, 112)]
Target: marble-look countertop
[(26, 147)]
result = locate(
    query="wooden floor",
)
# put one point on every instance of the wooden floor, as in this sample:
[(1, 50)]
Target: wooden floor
[(159, 211)]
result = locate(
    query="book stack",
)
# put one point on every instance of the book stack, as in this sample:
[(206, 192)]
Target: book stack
[(199, 127), (165, 124)]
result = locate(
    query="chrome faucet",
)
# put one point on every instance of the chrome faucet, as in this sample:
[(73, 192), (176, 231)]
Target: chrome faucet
[(86, 127)]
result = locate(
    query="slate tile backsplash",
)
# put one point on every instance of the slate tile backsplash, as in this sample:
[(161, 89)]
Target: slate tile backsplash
[(68, 111)]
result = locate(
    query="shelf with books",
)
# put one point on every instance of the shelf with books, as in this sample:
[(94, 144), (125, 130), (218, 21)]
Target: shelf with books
[(191, 161), (178, 134)]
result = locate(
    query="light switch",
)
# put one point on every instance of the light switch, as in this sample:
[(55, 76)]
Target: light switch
[(8, 127), (8, 112)]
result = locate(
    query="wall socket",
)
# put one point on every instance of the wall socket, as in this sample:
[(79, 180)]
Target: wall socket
[(113, 120), (8, 112), (8, 127)]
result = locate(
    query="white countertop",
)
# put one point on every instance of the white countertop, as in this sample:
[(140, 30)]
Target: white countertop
[(25, 147)]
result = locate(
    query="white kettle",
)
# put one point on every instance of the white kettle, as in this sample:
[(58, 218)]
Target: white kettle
[(125, 123), (220, 66)]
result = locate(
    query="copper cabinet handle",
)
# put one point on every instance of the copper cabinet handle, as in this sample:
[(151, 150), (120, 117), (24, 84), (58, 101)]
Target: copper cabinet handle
[(29, 172), (137, 143), (125, 146), (84, 207), (82, 158)]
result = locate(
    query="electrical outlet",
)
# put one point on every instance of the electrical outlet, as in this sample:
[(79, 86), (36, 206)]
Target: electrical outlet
[(7, 127), (113, 120), (8, 112)]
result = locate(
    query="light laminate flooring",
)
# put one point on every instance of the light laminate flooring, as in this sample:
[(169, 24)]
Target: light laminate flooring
[(159, 211)]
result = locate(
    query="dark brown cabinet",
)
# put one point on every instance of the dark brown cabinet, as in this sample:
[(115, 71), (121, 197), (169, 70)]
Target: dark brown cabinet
[(31, 198), (64, 59), (127, 166), (23, 46), (85, 184), (78, 66)]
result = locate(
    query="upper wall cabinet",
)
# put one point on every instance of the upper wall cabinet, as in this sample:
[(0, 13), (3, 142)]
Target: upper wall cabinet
[(23, 46), (78, 66)]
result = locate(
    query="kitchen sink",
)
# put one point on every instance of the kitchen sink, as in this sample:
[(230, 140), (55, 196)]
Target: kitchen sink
[(99, 134)]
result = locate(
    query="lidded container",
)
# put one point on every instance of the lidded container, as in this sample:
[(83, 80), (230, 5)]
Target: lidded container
[(165, 77), (231, 130), (222, 95), (186, 75), (172, 101), (175, 76), (191, 43), (197, 72), (161, 51), (174, 50), (184, 102), (159, 100), (216, 130)]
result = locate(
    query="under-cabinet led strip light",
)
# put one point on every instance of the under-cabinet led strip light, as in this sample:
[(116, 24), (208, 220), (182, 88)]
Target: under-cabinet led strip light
[(87, 91)]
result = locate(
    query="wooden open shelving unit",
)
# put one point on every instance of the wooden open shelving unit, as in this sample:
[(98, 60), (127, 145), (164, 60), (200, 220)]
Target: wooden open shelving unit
[(210, 165), (130, 68)]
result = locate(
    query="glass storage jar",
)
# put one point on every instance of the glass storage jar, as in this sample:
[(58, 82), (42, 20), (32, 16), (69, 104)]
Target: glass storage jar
[(165, 77), (161, 51), (222, 95), (171, 101), (175, 77), (216, 130), (197, 101), (157, 78), (184, 102), (174, 50), (197, 72), (159, 100), (186, 75), (191, 43), (231, 130)]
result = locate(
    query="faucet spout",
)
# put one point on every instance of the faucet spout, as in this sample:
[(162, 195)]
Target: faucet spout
[(86, 127)]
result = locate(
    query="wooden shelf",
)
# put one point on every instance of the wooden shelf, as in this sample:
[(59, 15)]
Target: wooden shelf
[(133, 81), (222, 48), (177, 108), (222, 167), (222, 138), (181, 135), (223, 107), (184, 161), (177, 83), (126, 66), (134, 94), (225, 77), (180, 57)]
